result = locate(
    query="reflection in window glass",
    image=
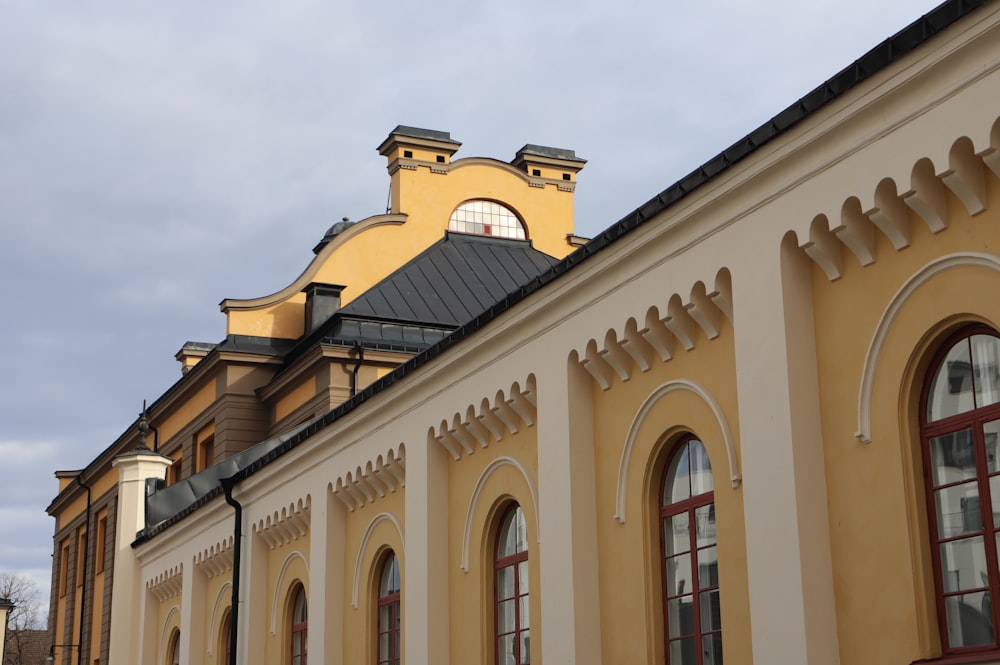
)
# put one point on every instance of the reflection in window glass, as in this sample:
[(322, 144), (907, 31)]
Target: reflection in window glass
[(300, 620), (960, 433), (388, 612), (486, 218), (951, 387), (692, 611), (512, 609), (986, 369)]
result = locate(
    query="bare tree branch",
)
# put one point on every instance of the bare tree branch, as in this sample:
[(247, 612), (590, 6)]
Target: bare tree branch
[(22, 591)]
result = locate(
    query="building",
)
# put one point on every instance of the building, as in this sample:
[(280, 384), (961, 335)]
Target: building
[(755, 416)]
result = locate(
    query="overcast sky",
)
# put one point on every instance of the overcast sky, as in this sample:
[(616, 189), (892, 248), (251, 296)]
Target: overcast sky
[(156, 158)]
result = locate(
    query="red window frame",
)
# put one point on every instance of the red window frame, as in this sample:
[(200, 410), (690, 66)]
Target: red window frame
[(388, 600), (973, 522), (688, 644), (515, 564), (300, 625)]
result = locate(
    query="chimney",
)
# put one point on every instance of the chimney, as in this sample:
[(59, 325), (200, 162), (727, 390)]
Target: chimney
[(191, 353), (322, 302)]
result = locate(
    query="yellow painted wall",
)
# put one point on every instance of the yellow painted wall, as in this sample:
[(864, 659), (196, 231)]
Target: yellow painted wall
[(881, 556), (629, 553), (286, 565), (186, 412), (428, 199), (360, 627), (99, 487), (168, 619), (295, 398), (472, 629), (217, 600)]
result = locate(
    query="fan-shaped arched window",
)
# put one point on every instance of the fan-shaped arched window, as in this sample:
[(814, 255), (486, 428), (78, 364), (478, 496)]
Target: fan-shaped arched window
[(486, 218), (388, 612), (959, 433), (692, 616), (299, 625), (511, 566)]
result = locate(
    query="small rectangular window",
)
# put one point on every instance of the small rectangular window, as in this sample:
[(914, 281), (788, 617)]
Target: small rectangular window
[(536, 172), (81, 555), (174, 472), (440, 159), (566, 176), (102, 542), (206, 453), (407, 153), (63, 568)]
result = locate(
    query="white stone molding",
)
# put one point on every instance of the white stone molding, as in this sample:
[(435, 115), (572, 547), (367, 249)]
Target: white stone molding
[(359, 487), (222, 602), (964, 177), (890, 215), (490, 469), (284, 526), (167, 584), (378, 519), (472, 430), (279, 586), (166, 630), (216, 559), (617, 355), (888, 318), (824, 248), (640, 417)]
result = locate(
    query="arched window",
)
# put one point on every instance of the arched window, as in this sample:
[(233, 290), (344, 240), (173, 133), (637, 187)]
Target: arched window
[(511, 566), (486, 218), (388, 612), (300, 622), (960, 409), (224, 637), (691, 610), (174, 648)]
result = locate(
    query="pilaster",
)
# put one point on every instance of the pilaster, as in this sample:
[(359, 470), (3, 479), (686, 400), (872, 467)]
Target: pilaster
[(326, 578), (425, 561), (792, 604), (570, 601), (193, 622), (134, 468)]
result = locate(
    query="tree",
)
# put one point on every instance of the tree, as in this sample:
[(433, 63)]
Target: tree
[(26, 615)]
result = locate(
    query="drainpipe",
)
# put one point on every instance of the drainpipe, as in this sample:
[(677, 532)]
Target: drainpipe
[(227, 487), (83, 584), (354, 373)]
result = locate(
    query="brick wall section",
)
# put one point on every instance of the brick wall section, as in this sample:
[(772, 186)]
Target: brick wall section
[(33, 646), (109, 573)]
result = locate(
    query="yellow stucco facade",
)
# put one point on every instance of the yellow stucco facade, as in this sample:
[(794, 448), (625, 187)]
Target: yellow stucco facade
[(780, 309)]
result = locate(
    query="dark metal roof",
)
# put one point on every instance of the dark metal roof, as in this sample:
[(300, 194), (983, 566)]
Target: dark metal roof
[(191, 492), (546, 151), (452, 281), (869, 64), (419, 133)]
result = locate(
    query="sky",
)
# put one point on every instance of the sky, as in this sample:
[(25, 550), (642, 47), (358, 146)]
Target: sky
[(156, 158)]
